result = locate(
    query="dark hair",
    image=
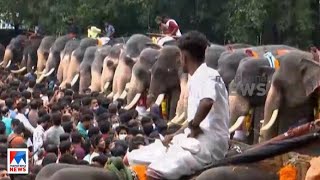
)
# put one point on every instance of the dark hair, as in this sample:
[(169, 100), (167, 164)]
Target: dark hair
[(68, 92), (101, 159), (68, 159), (2, 128), (3, 138), (103, 117), (15, 122), (42, 112), (76, 137), (83, 162), (26, 94), (67, 126), (56, 118), (75, 106), (195, 43), (64, 146), (104, 126), (95, 140), (43, 119), (55, 108), (120, 149), (86, 117), (64, 137), (135, 142), (121, 127), (66, 118), (50, 158), (19, 129), (32, 83), (9, 103), (86, 101), (51, 148), (93, 131), (34, 104)]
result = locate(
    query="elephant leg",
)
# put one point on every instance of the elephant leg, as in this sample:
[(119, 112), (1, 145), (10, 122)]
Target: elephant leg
[(237, 173), (270, 127), (174, 98)]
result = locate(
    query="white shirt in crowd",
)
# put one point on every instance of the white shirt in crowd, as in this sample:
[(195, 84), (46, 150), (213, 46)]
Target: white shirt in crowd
[(206, 83), (38, 138), (52, 135), (22, 118)]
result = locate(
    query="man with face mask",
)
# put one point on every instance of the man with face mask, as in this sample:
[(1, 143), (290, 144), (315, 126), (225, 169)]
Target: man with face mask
[(38, 134), (122, 132), (205, 139)]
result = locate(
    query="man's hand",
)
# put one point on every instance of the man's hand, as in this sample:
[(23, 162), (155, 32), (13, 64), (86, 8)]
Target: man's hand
[(195, 132), (167, 140)]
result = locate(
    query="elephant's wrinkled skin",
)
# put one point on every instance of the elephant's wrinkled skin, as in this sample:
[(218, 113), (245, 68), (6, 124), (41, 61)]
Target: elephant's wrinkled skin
[(43, 52), (293, 92), (128, 58), (85, 68), (97, 66), (65, 59), (165, 78), (141, 73), (229, 61), (110, 64), (74, 172), (76, 59), (14, 51), (237, 173)]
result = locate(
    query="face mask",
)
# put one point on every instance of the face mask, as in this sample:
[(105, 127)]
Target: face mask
[(122, 136), (114, 126)]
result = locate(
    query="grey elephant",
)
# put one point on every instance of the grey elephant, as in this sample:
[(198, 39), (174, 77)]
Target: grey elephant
[(54, 58), (74, 172), (76, 59), (293, 95), (14, 51), (110, 64), (128, 58), (2, 50), (43, 52), (65, 59), (97, 68), (141, 75)]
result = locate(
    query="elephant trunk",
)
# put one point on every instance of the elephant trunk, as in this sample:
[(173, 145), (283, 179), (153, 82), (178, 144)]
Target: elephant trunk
[(84, 83), (49, 68), (8, 55), (41, 62), (239, 108), (107, 77), (95, 81), (73, 72), (269, 128)]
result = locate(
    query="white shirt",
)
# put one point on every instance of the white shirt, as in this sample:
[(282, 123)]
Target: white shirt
[(22, 118), (38, 138), (207, 83)]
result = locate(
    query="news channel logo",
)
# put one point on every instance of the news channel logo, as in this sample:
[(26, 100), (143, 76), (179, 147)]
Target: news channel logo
[(18, 161)]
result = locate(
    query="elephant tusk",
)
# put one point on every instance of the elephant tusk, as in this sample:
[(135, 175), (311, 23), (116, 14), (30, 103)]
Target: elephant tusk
[(123, 95), (160, 99), (40, 79), (133, 102), (110, 96), (9, 63), (75, 79), (237, 124), (116, 96), (1, 63), (19, 70), (178, 119), (105, 87), (49, 73), (272, 120)]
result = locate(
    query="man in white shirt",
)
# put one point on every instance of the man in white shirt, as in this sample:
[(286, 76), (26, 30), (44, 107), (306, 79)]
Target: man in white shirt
[(21, 107), (38, 134), (205, 139)]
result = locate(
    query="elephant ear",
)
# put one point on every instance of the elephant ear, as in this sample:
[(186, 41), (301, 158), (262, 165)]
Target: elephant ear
[(310, 71)]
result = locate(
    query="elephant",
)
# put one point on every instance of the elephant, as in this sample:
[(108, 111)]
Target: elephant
[(29, 59), (166, 76), (43, 52), (97, 66), (74, 172), (54, 58), (110, 64), (237, 173), (119, 40), (293, 95), (65, 59), (141, 75), (85, 68), (128, 58), (229, 61), (2, 50), (76, 59), (14, 51)]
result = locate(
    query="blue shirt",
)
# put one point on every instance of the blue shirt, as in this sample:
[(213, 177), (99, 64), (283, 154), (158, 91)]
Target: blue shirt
[(82, 130), (13, 114), (7, 123)]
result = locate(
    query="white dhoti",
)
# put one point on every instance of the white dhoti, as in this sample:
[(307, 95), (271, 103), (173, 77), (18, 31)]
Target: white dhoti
[(184, 156)]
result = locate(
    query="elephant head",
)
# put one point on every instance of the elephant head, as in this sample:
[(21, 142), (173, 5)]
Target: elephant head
[(165, 78), (54, 58), (292, 95), (128, 58), (43, 52), (14, 51), (85, 68), (110, 64), (141, 75), (97, 66), (29, 59), (65, 59), (76, 59)]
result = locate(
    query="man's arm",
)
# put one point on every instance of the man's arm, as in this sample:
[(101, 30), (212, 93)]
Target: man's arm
[(204, 108)]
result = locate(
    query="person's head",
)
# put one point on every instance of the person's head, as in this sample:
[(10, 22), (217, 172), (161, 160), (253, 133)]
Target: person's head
[(4, 173), (104, 127), (5, 111), (94, 104), (21, 107), (66, 147), (86, 120), (51, 148), (93, 131), (50, 158), (136, 142), (113, 108), (44, 121), (32, 83), (34, 104), (165, 19), (98, 143), (119, 149), (68, 159), (68, 126), (10, 103), (76, 138), (3, 139), (56, 118), (64, 137), (2, 128), (122, 132), (106, 24), (115, 121), (193, 46), (14, 123), (41, 112), (100, 160)]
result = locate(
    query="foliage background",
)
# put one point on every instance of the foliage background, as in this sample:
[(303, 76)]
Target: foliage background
[(292, 22)]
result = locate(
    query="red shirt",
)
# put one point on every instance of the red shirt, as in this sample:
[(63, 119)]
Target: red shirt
[(172, 27)]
